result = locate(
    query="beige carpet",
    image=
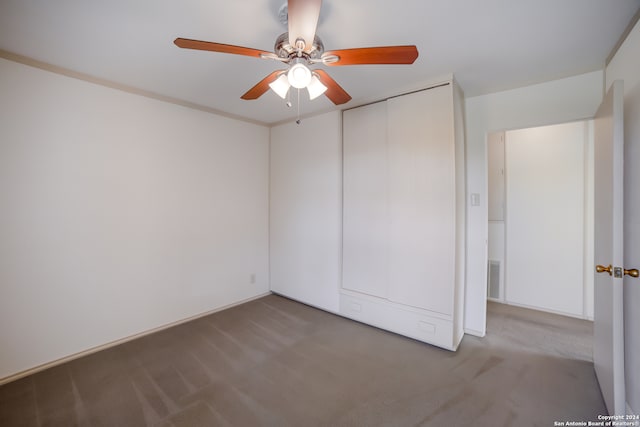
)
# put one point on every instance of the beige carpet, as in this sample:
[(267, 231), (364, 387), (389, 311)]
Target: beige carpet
[(276, 362)]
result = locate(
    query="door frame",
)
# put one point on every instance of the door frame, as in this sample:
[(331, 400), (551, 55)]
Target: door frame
[(588, 286)]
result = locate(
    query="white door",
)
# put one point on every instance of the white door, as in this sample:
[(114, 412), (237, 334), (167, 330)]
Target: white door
[(608, 342), (545, 182), (365, 222), (422, 200)]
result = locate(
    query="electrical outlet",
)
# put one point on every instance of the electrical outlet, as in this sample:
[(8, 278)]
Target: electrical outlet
[(252, 278)]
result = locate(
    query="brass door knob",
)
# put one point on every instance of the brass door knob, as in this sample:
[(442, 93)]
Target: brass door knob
[(603, 269), (633, 272)]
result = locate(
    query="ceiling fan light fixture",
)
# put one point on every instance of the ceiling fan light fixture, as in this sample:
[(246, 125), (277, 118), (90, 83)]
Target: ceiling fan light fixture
[(315, 87), (300, 48), (299, 76), (280, 85)]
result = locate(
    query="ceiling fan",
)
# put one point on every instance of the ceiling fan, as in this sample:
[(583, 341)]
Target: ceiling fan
[(299, 48)]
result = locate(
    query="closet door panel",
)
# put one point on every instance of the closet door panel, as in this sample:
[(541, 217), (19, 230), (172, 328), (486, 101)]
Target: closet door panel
[(422, 196), (365, 212)]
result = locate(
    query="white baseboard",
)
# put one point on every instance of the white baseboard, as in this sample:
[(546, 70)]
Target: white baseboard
[(92, 350), (546, 310), (474, 332)]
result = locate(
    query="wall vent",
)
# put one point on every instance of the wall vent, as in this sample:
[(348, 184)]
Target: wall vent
[(493, 280)]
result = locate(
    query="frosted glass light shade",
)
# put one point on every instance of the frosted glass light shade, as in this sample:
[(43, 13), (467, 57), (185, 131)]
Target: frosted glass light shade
[(299, 76), (280, 85), (315, 87)]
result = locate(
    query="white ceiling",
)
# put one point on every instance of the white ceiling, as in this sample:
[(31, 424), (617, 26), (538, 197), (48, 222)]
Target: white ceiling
[(489, 45)]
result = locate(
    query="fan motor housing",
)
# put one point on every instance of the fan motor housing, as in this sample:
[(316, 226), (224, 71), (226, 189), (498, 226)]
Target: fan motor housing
[(284, 49)]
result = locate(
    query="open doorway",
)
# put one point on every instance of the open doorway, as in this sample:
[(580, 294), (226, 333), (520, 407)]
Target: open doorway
[(540, 212)]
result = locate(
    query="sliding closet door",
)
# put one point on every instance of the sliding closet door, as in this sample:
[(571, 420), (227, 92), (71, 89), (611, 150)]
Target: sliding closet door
[(365, 215), (422, 197)]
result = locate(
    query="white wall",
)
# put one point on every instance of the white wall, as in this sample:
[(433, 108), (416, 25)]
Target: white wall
[(306, 210), (119, 214), (495, 176), (625, 65), (495, 206), (553, 102), (545, 217)]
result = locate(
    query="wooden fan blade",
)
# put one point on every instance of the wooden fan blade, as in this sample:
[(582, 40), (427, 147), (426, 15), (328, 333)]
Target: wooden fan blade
[(263, 85), (334, 92), (374, 55), (303, 20), (218, 47)]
